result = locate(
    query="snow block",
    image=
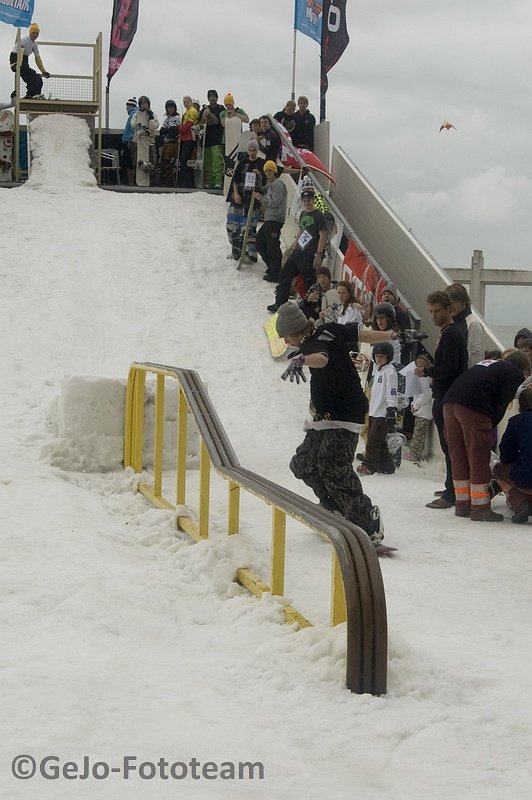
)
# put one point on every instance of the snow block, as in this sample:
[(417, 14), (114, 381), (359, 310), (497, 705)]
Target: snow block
[(87, 422)]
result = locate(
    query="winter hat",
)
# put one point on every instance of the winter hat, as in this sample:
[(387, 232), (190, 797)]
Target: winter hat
[(132, 101), (212, 92), (229, 99), (392, 288), (34, 28), (324, 271), (270, 165), (253, 144), (290, 320), (308, 191)]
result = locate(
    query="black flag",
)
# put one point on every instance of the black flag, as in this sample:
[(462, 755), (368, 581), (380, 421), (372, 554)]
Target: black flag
[(334, 40), (123, 29)]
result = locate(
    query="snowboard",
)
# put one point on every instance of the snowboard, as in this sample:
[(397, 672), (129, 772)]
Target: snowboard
[(144, 139), (278, 346), (232, 131), (197, 163), (6, 146), (245, 237), (384, 551)]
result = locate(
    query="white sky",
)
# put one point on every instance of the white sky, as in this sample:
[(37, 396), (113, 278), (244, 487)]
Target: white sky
[(409, 66)]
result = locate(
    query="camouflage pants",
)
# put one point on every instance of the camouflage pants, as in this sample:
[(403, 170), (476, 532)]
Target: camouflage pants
[(324, 461), (417, 442)]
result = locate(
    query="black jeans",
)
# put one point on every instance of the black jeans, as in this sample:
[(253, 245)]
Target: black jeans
[(269, 248), (437, 414), (185, 178), (299, 263), (29, 76)]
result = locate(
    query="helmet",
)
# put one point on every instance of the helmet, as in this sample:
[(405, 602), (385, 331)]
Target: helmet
[(385, 310), (383, 348), (171, 103), (143, 99)]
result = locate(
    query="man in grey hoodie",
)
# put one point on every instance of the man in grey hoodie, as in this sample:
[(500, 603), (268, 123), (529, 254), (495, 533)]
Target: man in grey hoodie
[(273, 200)]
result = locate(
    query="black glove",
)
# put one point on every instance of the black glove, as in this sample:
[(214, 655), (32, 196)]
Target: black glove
[(294, 371), (391, 418), (150, 114), (409, 335)]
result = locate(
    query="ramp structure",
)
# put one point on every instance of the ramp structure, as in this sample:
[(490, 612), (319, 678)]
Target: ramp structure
[(75, 94)]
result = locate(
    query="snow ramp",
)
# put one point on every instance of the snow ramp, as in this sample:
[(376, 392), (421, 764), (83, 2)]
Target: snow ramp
[(60, 154)]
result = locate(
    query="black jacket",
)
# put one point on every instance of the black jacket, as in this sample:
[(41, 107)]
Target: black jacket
[(487, 388), (450, 360)]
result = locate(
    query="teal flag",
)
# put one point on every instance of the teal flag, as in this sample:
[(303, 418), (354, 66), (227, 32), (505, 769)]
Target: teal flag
[(307, 18), (17, 12)]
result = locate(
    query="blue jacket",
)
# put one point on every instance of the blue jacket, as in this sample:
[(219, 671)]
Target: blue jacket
[(127, 136), (516, 448)]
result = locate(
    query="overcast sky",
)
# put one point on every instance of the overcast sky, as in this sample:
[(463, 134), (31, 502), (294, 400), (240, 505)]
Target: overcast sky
[(410, 65)]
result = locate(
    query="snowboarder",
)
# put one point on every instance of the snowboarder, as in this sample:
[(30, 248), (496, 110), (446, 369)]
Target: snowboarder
[(213, 168), (273, 200), (247, 177), (28, 45), (129, 148), (170, 148), (144, 124), (324, 460)]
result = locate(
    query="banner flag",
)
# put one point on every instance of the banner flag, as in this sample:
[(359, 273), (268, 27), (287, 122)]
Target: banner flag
[(123, 29), (334, 37), (307, 18), (17, 12)]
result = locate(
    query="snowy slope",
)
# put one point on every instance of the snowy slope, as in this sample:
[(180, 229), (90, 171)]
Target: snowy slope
[(119, 637)]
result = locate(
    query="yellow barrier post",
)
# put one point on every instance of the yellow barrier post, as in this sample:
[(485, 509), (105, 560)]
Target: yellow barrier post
[(182, 410), (159, 438), (338, 607), (278, 550), (233, 508), (138, 419), (205, 484)]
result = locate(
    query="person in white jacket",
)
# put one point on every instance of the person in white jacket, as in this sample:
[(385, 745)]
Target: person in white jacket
[(382, 413)]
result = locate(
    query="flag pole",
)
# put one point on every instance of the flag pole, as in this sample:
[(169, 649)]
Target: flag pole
[(293, 94)]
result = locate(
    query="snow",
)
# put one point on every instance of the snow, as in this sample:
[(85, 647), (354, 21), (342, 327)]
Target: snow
[(121, 637)]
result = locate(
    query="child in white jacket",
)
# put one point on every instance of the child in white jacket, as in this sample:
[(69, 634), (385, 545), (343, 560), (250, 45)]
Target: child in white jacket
[(382, 413)]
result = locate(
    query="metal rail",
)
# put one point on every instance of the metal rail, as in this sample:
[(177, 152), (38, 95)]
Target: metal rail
[(357, 590)]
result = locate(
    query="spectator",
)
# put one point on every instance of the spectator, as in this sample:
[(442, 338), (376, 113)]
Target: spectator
[(463, 316), (239, 196), (514, 470), (346, 309), (269, 142), (390, 295), (170, 148), (303, 135), (320, 296), (287, 117), (273, 202), (185, 177), (450, 361), (524, 333), (474, 405), (129, 147), (230, 110), (27, 46), (382, 413), (308, 252), (384, 320), (139, 129), (213, 159), (324, 460), (254, 127), (421, 407)]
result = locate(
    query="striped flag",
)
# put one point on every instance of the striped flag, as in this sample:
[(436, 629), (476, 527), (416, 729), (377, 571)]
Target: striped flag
[(123, 29)]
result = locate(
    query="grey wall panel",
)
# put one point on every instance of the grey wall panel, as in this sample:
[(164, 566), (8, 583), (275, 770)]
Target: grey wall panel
[(389, 242)]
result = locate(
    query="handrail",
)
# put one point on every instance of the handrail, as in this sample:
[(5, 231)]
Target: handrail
[(357, 590)]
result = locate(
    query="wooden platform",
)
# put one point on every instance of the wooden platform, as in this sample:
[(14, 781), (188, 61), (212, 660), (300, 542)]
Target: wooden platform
[(77, 107)]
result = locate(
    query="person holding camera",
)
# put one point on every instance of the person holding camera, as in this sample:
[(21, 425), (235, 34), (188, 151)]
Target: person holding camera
[(321, 295)]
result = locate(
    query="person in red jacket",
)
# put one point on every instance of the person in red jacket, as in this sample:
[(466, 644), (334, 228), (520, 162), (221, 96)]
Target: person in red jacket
[(185, 176)]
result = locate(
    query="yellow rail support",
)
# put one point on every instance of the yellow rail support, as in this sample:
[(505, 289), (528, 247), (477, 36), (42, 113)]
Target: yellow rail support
[(357, 591)]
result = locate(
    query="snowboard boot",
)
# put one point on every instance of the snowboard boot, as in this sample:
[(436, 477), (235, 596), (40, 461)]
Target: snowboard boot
[(375, 528), (522, 513), (485, 514)]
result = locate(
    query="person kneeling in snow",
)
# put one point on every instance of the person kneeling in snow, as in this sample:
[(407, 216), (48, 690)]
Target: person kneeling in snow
[(514, 470)]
